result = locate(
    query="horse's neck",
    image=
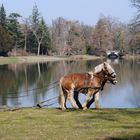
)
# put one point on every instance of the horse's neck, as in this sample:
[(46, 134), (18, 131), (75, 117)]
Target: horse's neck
[(101, 78), (100, 75)]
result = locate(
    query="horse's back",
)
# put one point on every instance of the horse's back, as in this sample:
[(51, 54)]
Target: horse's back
[(75, 76), (74, 80)]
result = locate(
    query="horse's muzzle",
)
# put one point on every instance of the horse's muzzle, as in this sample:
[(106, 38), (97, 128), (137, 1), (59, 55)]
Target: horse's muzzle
[(114, 82)]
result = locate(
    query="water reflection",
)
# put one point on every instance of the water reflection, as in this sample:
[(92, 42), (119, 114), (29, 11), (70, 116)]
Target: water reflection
[(127, 92), (27, 84)]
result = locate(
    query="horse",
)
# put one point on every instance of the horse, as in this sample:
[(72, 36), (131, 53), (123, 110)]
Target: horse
[(89, 83)]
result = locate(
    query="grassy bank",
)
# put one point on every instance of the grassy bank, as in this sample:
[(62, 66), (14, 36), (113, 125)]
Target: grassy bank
[(54, 124), (8, 60), (34, 59)]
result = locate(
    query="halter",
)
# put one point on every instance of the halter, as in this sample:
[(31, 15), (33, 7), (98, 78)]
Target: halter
[(112, 74), (105, 77), (109, 74), (110, 77)]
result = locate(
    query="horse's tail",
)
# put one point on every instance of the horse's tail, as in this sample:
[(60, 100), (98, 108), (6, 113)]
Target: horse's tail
[(61, 94)]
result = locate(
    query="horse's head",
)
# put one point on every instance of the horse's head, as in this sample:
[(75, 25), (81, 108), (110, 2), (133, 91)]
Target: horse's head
[(108, 71)]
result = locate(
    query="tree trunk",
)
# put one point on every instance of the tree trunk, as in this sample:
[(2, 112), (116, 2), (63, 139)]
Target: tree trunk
[(38, 52), (25, 45)]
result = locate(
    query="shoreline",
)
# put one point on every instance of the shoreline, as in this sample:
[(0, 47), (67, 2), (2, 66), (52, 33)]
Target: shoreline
[(10, 108), (37, 59)]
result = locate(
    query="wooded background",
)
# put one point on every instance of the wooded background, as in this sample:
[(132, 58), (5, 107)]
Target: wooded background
[(67, 37)]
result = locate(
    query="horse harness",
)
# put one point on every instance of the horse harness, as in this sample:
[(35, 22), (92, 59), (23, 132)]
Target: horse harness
[(89, 78)]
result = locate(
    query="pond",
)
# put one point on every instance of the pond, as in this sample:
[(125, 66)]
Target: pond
[(25, 85)]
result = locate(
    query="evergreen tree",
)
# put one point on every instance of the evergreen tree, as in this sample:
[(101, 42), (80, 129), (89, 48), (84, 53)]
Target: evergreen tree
[(14, 28), (46, 42), (2, 17), (35, 17), (6, 42), (40, 31), (34, 39)]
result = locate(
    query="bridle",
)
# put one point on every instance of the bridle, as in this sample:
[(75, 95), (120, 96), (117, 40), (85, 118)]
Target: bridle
[(111, 77), (112, 74), (105, 77)]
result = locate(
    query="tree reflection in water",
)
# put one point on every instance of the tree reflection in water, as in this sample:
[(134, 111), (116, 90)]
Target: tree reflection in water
[(18, 78)]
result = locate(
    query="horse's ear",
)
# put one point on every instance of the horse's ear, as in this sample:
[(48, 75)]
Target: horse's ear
[(105, 65)]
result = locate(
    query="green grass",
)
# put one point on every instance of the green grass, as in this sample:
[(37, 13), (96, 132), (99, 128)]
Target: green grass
[(8, 60), (54, 124)]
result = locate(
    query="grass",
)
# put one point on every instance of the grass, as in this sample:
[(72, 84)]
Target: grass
[(54, 124), (8, 60)]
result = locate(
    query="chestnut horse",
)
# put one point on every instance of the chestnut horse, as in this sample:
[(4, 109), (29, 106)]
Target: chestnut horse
[(89, 83)]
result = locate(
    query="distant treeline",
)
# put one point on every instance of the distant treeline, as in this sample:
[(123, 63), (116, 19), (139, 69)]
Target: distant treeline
[(66, 37)]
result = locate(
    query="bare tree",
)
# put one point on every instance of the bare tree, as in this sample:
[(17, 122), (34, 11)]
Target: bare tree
[(40, 33), (76, 38), (25, 29), (59, 35), (38, 27), (136, 4), (102, 38), (68, 37)]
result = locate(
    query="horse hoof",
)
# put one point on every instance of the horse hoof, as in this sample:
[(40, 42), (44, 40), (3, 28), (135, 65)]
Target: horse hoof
[(85, 108), (63, 108), (76, 107), (98, 107)]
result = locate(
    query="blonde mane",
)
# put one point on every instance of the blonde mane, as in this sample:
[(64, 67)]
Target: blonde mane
[(102, 66), (98, 68)]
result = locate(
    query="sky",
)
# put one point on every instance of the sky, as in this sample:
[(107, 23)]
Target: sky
[(85, 11)]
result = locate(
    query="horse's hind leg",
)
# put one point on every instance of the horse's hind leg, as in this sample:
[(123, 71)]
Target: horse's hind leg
[(62, 99), (62, 103), (76, 99), (70, 98), (62, 93)]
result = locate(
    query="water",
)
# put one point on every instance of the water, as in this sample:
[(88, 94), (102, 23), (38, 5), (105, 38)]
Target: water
[(25, 85)]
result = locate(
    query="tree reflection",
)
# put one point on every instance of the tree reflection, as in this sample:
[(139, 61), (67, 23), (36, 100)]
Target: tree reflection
[(32, 81), (128, 78)]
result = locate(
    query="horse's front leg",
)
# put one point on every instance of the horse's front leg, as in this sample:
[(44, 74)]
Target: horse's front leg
[(96, 99), (97, 105), (84, 105), (91, 101)]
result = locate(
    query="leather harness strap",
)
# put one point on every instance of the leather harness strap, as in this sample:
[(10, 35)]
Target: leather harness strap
[(88, 80)]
